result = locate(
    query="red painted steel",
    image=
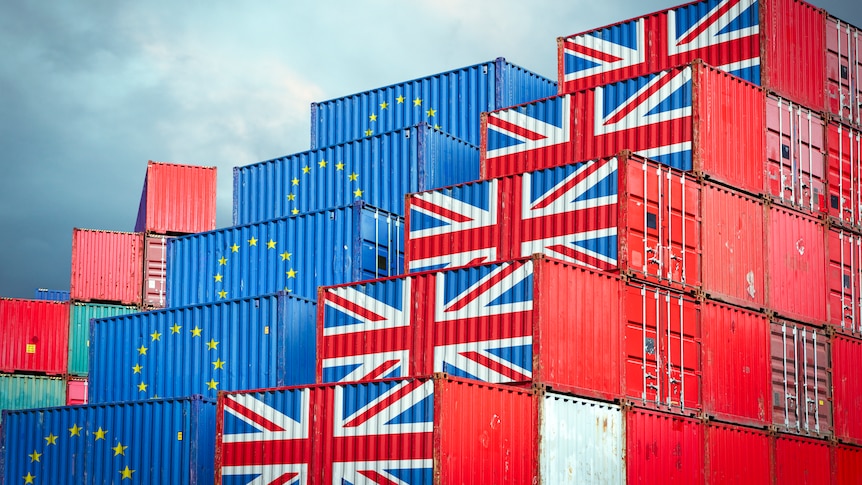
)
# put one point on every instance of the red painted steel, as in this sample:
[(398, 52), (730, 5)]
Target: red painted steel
[(847, 388), (795, 265), (844, 279), (34, 336), (155, 270), (801, 461), (663, 448), (732, 245), (76, 391), (843, 70), (662, 348), (795, 155), (848, 465), (107, 266), (801, 379), (737, 455), (177, 199), (736, 372), (844, 168)]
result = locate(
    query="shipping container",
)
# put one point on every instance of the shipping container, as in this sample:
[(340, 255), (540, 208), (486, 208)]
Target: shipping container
[(847, 388), (24, 391), (296, 254), (451, 101), (848, 465), (691, 117), (844, 162), (79, 331), (801, 379), (736, 371), (844, 279), (155, 270), (76, 391), (247, 343), (55, 295), (153, 441), (107, 266), (530, 319), (795, 265), (795, 155), (34, 336), (802, 461), (436, 430), (737, 455), (379, 170), (843, 70), (177, 199), (762, 41), (620, 213), (732, 246), (663, 448)]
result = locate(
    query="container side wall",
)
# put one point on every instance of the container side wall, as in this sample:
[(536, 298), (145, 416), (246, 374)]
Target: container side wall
[(23, 391), (844, 169), (737, 455), (79, 331), (76, 392), (848, 465), (843, 70), (107, 267), (55, 295), (34, 336), (663, 448), (178, 199), (846, 356), (803, 461), (844, 279)]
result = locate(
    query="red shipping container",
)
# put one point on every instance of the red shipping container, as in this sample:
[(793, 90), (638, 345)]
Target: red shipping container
[(847, 388), (762, 41), (795, 155), (692, 117), (736, 372), (843, 70), (663, 448), (801, 461), (155, 270), (107, 266), (732, 242), (801, 379), (177, 199), (431, 430), (796, 265), (844, 279), (34, 336), (844, 162), (76, 391), (737, 455), (520, 321), (848, 465)]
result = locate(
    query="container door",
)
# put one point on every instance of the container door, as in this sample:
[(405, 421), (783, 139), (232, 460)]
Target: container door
[(382, 244), (155, 271), (845, 195), (843, 70), (844, 279)]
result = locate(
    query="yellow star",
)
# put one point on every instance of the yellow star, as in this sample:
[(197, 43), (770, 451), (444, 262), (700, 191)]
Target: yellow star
[(234, 248), (51, 439), (34, 456), (196, 332), (305, 169), (142, 350), (431, 112), (119, 449), (212, 384), (28, 478), (295, 181), (285, 256), (100, 433), (270, 244), (357, 192), (75, 430), (291, 197), (127, 473), (176, 328), (291, 273), (218, 364), (212, 344), (218, 277), (373, 117), (369, 132), (294, 211), (222, 261), (252, 241), (400, 99), (142, 387), (156, 336), (417, 102), (352, 177), (137, 369), (436, 127), (322, 163), (339, 166), (222, 295)]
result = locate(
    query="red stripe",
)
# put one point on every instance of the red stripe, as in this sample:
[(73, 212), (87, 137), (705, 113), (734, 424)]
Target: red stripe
[(251, 415), (709, 21), (581, 257), (632, 105), (569, 222), (479, 329), (266, 452), (436, 209), (592, 53), (495, 366), (376, 477), (382, 369), (454, 242), (513, 128), (388, 401), (366, 341), (401, 446), (586, 171), (503, 273), (354, 307), (287, 477)]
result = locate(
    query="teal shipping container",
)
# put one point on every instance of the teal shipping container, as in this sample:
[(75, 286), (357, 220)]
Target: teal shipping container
[(79, 331), (23, 391)]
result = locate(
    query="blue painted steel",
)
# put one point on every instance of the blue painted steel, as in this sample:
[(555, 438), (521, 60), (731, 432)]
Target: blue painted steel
[(296, 254), (452, 100), (53, 295), (246, 343), (153, 441), (379, 170)]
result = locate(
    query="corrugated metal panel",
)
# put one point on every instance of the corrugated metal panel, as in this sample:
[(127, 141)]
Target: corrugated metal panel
[(580, 441), (451, 100), (848, 464), (107, 266), (732, 240), (663, 348), (847, 388), (154, 441), (663, 448), (843, 70), (296, 254), (55, 295), (177, 199), (801, 379), (801, 460), (795, 155), (76, 392), (795, 265), (689, 117), (844, 161), (379, 170), (844, 279), (23, 391), (760, 41), (250, 343), (736, 455), (155, 270), (736, 372), (79, 331), (34, 335)]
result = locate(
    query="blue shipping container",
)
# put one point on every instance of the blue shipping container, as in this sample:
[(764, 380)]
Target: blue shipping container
[(247, 343), (295, 254), (152, 441), (451, 101), (379, 170), (53, 295)]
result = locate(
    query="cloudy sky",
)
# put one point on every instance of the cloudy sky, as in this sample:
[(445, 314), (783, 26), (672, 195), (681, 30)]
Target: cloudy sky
[(90, 91)]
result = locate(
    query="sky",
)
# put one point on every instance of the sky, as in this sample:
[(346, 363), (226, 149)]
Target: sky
[(91, 91)]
